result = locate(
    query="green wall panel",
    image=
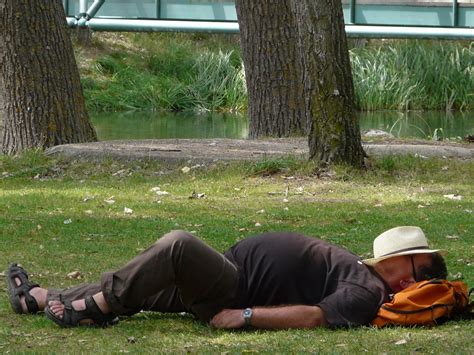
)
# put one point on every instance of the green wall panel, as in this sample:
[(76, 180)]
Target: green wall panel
[(224, 10)]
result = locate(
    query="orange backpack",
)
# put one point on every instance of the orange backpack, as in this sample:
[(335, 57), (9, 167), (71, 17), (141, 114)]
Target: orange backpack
[(425, 303)]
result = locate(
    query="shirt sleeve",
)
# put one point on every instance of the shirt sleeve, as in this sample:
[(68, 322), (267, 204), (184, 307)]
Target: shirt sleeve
[(350, 305)]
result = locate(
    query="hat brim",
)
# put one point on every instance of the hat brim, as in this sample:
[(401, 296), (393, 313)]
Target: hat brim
[(374, 261)]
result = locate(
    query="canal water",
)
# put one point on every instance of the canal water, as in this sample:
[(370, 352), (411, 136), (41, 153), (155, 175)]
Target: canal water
[(153, 125)]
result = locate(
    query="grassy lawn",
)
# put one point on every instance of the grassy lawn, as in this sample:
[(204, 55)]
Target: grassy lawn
[(57, 217)]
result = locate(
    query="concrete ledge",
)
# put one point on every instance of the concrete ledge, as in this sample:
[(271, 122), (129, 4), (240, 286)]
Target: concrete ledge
[(237, 149)]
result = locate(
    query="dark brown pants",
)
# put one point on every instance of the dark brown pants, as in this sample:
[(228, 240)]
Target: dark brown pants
[(179, 273)]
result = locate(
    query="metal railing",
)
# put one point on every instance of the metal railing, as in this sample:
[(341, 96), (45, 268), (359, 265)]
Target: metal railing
[(160, 15)]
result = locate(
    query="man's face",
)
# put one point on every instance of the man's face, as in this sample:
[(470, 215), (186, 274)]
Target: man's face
[(401, 272)]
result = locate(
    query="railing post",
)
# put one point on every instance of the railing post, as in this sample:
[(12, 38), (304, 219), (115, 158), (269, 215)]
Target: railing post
[(455, 13), (66, 7), (352, 9), (82, 9), (158, 9)]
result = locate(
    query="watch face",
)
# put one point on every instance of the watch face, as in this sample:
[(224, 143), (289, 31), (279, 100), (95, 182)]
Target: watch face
[(247, 313)]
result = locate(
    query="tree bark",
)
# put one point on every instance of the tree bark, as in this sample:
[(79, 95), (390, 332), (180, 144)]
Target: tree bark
[(272, 68), (328, 86), (1, 108), (44, 102)]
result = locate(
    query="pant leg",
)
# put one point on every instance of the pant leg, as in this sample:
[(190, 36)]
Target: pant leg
[(165, 301), (73, 293), (205, 280)]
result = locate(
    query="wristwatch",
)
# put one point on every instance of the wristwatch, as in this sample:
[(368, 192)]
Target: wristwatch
[(247, 314)]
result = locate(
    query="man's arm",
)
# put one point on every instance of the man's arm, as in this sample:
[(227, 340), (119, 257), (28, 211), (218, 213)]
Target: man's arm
[(283, 317)]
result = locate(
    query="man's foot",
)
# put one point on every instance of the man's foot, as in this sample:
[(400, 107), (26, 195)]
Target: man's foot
[(24, 296), (92, 311)]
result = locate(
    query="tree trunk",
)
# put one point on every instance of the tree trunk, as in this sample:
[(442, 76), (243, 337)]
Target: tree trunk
[(1, 108), (272, 68), (44, 102), (329, 90)]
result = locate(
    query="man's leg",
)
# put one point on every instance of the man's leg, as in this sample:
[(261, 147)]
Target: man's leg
[(177, 269), (205, 280)]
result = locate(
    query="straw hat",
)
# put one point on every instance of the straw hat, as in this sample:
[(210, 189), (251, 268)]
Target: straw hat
[(397, 241)]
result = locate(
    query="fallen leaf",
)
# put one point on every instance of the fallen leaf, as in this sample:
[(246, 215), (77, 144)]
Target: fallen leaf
[(452, 237), (286, 209), (127, 210), (468, 211), (421, 206), (110, 200), (285, 200), (74, 275), (197, 195), (88, 198), (444, 168), (68, 221), (420, 156), (378, 205), (258, 224), (131, 340), (88, 212), (236, 188), (120, 172), (2, 274), (162, 193), (453, 197), (154, 189), (401, 342), (186, 169), (260, 212)]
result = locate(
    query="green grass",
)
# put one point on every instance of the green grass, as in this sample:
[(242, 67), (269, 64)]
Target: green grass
[(344, 206), (178, 72), (170, 72)]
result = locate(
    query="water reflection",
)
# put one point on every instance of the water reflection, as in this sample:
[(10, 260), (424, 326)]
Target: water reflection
[(419, 124), (154, 125)]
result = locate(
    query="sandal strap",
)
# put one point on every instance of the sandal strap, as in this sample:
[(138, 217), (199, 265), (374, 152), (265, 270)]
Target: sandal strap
[(73, 317), (16, 271), (95, 312)]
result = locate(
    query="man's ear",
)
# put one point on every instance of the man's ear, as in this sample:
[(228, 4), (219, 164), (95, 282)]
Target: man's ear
[(404, 283)]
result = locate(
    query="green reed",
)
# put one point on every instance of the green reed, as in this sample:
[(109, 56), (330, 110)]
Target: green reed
[(178, 72), (411, 74)]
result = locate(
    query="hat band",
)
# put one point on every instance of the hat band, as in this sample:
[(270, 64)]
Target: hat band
[(403, 250)]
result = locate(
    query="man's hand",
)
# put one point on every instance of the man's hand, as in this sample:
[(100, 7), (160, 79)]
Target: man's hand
[(228, 319)]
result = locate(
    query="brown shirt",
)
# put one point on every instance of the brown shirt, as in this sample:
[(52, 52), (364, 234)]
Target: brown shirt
[(290, 268)]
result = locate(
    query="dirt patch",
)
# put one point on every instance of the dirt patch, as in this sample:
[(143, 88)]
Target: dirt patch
[(205, 150)]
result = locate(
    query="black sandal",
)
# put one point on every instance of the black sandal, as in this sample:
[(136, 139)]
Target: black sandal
[(16, 291), (72, 318)]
